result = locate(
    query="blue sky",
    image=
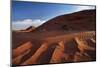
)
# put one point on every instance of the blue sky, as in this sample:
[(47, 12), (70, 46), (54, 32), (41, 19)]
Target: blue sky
[(25, 14)]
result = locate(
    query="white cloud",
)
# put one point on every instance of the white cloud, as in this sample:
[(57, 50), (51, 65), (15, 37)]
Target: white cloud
[(22, 24), (79, 8)]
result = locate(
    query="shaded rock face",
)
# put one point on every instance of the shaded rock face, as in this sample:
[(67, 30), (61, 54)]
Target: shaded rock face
[(79, 21)]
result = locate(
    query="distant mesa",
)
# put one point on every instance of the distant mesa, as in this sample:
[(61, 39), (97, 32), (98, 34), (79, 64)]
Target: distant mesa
[(29, 29)]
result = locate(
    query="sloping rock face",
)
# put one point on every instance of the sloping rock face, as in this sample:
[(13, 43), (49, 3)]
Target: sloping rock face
[(78, 21)]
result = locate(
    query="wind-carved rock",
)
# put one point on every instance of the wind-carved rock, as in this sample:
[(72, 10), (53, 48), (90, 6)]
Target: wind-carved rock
[(58, 53)]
